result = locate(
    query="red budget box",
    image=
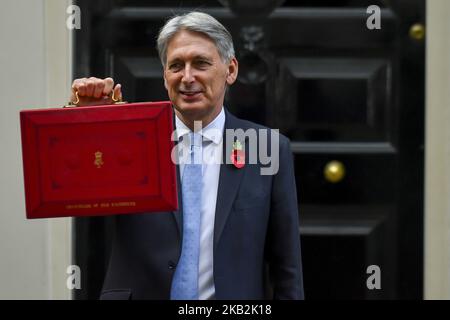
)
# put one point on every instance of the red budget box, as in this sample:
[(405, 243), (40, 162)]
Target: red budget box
[(98, 160)]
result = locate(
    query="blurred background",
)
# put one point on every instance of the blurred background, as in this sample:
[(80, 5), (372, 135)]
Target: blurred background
[(365, 103)]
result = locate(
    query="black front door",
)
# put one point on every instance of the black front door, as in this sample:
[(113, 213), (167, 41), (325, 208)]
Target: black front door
[(350, 98)]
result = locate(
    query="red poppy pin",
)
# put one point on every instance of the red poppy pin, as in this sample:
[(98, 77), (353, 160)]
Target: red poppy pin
[(237, 155)]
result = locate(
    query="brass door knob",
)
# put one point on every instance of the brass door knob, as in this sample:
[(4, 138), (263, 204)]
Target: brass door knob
[(417, 32), (334, 171)]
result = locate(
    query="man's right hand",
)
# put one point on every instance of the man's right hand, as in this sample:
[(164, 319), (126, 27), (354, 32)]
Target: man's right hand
[(95, 91)]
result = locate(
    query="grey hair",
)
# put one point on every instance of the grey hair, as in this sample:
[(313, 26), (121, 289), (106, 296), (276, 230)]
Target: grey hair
[(197, 22)]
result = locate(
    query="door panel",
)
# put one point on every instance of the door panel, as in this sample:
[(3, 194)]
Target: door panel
[(339, 91), (323, 99), (361, 171)]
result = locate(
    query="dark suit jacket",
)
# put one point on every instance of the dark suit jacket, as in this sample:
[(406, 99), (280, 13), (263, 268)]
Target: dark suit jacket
[(256, 237)]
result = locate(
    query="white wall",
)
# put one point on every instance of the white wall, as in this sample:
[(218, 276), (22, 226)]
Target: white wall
[(437, 166), (34, 72)]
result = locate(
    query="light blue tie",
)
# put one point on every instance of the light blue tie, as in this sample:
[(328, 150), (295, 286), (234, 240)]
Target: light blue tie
[(185, 280)]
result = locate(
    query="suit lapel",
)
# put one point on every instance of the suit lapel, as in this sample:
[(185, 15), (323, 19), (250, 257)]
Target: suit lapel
[(229, 180), (178, 214)]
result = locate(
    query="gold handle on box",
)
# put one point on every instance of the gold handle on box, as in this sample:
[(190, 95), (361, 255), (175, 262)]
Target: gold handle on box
[(111, 95)]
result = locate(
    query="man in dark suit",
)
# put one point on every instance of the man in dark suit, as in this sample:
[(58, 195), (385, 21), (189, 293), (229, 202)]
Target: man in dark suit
[(236, 234)]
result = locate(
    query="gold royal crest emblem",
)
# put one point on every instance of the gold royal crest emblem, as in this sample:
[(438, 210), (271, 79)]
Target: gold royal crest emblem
[(98, 159)]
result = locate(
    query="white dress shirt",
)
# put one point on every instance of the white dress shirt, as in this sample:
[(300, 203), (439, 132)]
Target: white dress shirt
[(212, 157)]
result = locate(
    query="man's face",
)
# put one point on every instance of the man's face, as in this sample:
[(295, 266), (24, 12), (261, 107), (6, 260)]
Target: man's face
[(195, 76)]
